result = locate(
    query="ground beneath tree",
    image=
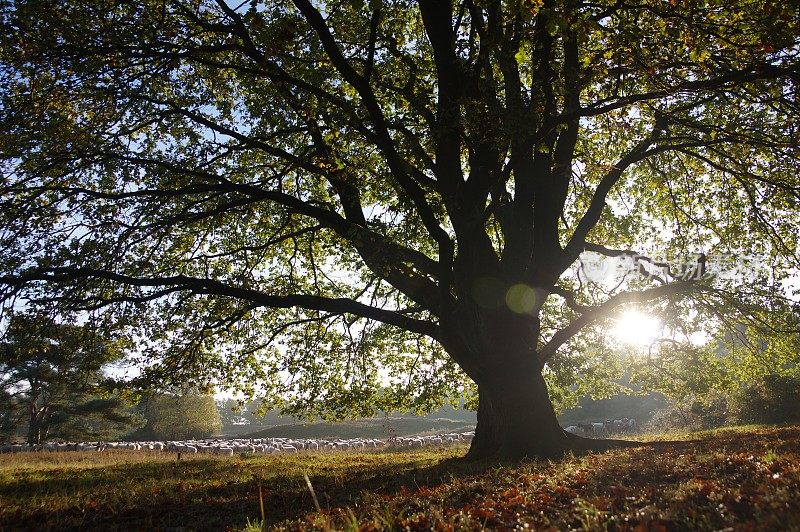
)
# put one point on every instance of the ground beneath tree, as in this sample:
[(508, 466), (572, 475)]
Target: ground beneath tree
[(740, 479)]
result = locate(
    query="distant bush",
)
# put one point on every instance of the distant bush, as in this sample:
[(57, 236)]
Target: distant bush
[(691, 415), (771, 400)]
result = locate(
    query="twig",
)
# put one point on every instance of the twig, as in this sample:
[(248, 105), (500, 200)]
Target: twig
[(313, 495), (263, 514)]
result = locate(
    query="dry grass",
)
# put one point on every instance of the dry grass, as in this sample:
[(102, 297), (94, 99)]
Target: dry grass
[(746, 479)]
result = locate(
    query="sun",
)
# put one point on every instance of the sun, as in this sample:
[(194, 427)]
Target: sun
[(636, 329)]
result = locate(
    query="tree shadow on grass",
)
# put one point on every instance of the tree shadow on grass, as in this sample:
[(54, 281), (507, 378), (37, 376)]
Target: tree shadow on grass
[(200, 494), (218, 494), (214, 494)]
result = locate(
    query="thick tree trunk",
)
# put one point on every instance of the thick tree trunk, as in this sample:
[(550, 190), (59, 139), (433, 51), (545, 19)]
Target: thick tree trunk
[(516, 418), (495, 348), (34, 431)]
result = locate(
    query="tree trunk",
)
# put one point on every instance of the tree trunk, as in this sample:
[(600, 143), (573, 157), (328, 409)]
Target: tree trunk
[(38, 425), (516, 418), (33, 425), (495, 348)]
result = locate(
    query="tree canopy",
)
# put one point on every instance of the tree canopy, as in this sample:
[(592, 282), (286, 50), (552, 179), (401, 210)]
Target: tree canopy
[(179, 417), (355, 203), (51, 382)]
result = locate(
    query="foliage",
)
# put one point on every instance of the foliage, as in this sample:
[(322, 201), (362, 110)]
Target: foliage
[(179, 417), (744, 478), (771, 400), (52, 380), (323, 201), (746, 374), (98, 418), (10, 415)]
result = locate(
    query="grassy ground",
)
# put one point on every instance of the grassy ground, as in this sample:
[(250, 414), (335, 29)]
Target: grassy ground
[(747, 479)]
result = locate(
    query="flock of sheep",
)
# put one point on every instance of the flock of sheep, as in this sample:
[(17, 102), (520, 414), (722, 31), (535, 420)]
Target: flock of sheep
[(603, 428), (246, 446), (286, 445)]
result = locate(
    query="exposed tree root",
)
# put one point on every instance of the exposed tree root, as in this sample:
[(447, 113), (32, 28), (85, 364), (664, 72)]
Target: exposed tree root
[(575, 445)]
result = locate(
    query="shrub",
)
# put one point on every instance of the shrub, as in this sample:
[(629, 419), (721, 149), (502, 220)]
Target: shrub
[(770, 400), (690, 415)]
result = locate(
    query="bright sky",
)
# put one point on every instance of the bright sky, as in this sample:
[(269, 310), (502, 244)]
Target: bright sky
[(637, 329)]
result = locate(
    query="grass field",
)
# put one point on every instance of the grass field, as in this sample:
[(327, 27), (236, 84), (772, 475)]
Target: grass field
[(745, 478)]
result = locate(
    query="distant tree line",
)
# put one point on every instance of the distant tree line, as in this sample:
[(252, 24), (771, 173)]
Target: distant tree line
[(54, 386), (744, 376), (52, 383)]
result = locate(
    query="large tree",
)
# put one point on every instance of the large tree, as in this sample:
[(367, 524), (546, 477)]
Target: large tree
[(51, 381), (351, 202)]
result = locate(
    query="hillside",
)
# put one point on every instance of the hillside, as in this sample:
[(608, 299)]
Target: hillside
[(362, 428), (638, 407), (247, 424)]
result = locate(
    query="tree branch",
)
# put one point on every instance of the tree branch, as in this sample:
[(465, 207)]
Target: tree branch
[(383, 139), (593, 314), (595, 210), (201, 286)]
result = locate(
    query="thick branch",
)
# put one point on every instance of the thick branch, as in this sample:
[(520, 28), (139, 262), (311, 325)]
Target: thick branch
[(726, 80), (593, 314), (437, 16), (385, 257), (202, 286), (383, 140), (595, 210)]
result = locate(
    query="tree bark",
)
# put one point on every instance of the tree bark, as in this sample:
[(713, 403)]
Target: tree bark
[(516, 419), (495, 347), (33, 425)]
